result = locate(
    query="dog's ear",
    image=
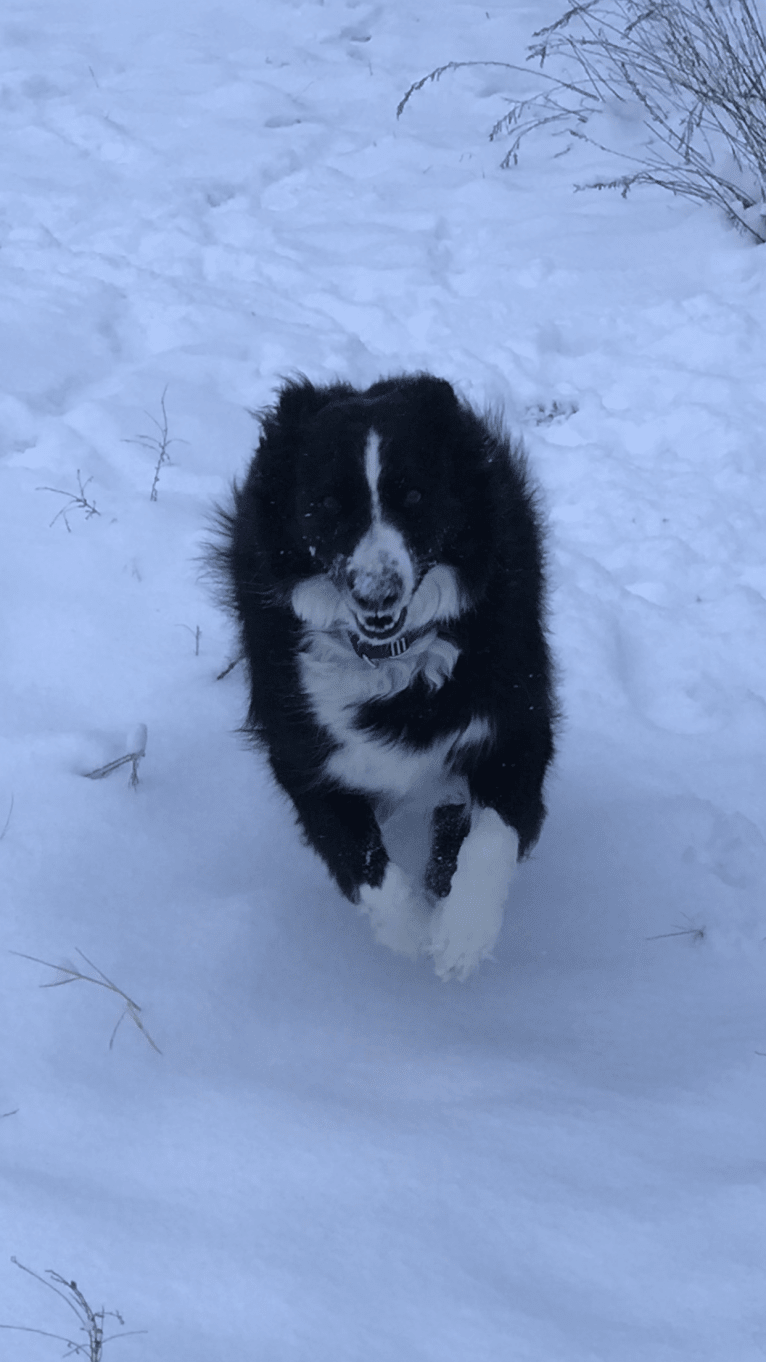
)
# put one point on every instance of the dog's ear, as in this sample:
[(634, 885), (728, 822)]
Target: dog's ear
[(432, 405), (432, 410), (436, 393), (431, 394), (298, 401)]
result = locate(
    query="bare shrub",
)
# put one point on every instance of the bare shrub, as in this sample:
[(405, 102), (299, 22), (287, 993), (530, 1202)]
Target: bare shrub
[(91, 1322), (694, 69)]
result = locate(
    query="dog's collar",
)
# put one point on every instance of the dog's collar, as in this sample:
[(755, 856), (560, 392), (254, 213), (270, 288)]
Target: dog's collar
[(373, 653)]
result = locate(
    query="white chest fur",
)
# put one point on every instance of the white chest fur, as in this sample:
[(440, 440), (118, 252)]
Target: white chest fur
[(337, 682)]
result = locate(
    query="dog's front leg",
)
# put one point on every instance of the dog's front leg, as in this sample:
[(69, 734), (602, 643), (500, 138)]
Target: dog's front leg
[(399, 915), (467, 924), (449, 828), (342, 828)]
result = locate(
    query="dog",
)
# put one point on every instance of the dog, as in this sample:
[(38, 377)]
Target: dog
[(384, 559)]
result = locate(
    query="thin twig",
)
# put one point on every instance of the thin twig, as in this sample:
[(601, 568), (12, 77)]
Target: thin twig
[(160, 442), (75, 502), (91, 1321), (134, 757), (196, 633), (230, 667)]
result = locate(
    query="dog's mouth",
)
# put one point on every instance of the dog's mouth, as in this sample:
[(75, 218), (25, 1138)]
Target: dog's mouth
[(380, 627)]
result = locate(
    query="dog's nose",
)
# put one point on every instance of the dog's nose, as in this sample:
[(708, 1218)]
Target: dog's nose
[(376, 592)]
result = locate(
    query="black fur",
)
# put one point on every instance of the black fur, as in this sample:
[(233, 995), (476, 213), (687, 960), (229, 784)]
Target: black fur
[(301, 513)]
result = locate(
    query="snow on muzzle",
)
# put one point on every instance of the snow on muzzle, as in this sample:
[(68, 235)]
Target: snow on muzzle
[(380, 579)]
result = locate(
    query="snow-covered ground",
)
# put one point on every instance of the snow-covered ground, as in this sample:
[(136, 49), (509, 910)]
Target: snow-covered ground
[(336, 1157)]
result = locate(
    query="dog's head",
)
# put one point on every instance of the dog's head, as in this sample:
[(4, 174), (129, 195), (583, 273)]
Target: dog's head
[(369, 504)]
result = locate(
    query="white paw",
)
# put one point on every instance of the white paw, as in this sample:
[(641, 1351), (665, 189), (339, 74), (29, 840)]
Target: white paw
[(399, 918), (466, 927)]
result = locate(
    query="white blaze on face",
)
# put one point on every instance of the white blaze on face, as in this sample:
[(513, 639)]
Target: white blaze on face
[(372, 472), (380, 564)]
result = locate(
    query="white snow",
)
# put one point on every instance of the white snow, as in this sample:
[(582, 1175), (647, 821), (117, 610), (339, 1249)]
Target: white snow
[(337, 1156)]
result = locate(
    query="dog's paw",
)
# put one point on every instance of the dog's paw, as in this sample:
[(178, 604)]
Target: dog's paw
[(399, 918), (464, 930), (464, 935)]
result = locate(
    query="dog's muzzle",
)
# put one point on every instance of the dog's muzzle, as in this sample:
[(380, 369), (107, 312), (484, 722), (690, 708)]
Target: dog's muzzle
[(378, 581), (378, 600)]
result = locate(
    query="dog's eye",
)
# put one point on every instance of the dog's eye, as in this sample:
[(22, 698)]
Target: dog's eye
[(331, 504), (412, 498)]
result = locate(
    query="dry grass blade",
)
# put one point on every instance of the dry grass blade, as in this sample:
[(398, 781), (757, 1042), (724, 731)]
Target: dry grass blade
[(133, 757), (439, 71), (7, 822), (696, 933), (73, 975)]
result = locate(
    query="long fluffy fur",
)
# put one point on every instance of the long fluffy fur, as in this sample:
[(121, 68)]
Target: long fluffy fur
[(384, 560)]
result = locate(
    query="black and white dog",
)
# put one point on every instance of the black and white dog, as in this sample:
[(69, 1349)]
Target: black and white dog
[(384, 559)]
